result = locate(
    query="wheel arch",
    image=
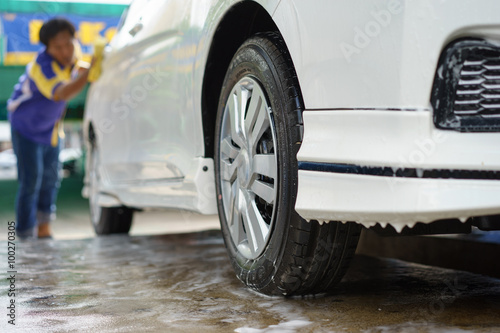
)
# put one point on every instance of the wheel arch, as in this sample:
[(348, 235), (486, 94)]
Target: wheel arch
[(239, 23)]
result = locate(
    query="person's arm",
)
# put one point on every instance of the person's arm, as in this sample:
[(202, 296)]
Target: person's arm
[(70, 89)]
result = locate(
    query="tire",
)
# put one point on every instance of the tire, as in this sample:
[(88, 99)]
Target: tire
[(105, 220), (272, 249)]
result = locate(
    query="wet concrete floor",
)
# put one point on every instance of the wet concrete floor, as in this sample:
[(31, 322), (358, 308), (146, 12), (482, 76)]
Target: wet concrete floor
[(184, 283)]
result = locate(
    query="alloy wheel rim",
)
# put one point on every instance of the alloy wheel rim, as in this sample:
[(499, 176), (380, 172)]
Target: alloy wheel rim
[(248, 167)]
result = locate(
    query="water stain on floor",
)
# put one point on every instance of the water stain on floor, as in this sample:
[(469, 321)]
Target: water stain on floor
[(185, 283)]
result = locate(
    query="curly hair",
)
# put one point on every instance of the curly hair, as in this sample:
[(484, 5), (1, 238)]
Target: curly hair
[(54, 26)]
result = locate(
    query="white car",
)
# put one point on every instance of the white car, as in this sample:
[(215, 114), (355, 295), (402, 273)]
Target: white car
[(290, 118)]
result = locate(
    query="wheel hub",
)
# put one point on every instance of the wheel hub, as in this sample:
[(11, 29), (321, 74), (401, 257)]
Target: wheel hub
[(245, 169), (248, 168)]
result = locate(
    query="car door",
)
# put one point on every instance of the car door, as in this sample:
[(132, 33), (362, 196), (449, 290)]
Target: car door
[(152, 128), (109, 117)]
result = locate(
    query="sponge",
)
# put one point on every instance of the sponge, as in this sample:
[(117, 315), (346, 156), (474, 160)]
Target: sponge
[(96, 69)]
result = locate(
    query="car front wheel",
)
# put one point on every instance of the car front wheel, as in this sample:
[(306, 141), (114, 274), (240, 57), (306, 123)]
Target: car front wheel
[(258, 133)]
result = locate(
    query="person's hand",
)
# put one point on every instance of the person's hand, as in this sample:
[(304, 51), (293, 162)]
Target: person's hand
[(83, 70), (96, 65)]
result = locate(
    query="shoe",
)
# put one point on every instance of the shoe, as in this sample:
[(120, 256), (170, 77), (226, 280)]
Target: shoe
[(46, 237), (44, 231), (27, 235)]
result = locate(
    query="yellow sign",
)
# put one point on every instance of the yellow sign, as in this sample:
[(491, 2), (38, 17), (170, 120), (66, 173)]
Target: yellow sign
[(22, 47)]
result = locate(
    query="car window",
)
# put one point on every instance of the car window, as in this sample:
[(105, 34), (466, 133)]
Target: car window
[(122, 18)]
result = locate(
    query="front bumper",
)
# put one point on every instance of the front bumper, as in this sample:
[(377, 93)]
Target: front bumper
[(433, 174)]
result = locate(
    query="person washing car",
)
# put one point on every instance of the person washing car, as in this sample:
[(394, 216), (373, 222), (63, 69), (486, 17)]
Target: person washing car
[(36, 109)]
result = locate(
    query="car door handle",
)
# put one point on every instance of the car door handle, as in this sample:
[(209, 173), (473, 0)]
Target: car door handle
[(137, 27)]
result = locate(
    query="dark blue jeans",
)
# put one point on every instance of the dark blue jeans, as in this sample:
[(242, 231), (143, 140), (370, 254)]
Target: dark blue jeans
[(38, 169)]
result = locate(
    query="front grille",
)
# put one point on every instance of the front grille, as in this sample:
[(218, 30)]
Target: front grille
[(466, 94), (478, 91)]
